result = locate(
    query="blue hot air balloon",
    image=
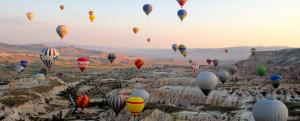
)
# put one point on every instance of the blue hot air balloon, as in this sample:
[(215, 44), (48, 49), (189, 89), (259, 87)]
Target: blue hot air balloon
[(147, 9), (24, 63), (276, 78), (182, 13)]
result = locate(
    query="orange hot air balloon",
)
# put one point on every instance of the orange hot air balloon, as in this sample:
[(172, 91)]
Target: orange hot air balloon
[(62, 7), (82, 101), (139, 63), (135, 30)]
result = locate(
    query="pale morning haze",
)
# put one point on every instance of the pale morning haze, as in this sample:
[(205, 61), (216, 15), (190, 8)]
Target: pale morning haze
[(209, 23)]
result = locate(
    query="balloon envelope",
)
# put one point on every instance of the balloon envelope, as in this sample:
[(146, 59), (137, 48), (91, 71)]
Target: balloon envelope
[(141, 93), (135, 30), (206, 81), (117, 103), (29, 15), (48, 56), (182, 13), (62, 31), (62, 7), (83, 63), (111, 57), (24, 63), (82, 101), (261, 70), (181, 2), (139, 63), (147, 9), (175, 47), (135, 105)]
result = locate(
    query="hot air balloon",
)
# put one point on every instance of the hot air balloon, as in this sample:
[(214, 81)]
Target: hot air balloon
[(206, 81), (29, 15), (182, 13), (49, 56), (215, 62), (181, 2), (62, 7), (182, 48), (261, 70), (276, 78), (111, 57), (83, 63), (39, 77), (141, 93), (184, 54), (62, 31), (233, 69), (174, 47), (253, 51), (223, 76), (135, 105), (147, 9), (209, 61), (139, 63), (92, 16), (190, 61), (148, 39), (82, 101), (270, 110), (226, 50), (195, 66), (24, 63), (117, 103), (135, 30), (19, 68)]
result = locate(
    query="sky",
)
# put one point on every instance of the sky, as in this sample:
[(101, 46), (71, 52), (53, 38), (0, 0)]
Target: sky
[(209, 23)]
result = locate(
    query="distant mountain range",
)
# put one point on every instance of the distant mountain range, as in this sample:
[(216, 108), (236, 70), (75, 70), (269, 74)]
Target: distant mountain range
[(234, 54)]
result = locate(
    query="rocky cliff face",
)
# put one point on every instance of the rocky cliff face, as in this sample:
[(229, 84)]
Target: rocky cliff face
[(285, 61)]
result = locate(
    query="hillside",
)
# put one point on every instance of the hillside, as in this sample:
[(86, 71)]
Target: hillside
[(285, 61)]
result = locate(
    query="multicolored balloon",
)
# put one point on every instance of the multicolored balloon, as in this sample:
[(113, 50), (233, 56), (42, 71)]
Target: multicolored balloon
[(62, 31), (182, 48), (182, 13), (83, 63), (92, 17), (195, 66), (117, 103), (111, 57), (49, 56), (181, 2), (29, 15), (147, 9), (139, 63)]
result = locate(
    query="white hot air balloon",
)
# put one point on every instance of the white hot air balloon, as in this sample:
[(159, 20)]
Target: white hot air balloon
[(141, 93), (49, 56), (223, 76), (207, 81), (270, 110)]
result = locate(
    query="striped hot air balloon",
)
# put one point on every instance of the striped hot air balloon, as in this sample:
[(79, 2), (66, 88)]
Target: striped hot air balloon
[(83, 63), (139, 63), (135, 105), (117, 103), (49, 56)]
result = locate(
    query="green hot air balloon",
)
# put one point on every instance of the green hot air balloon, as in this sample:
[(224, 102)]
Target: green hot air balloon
[(261, 70)]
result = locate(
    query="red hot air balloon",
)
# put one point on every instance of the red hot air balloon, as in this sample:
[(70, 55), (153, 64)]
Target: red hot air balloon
[(181, 2), (209, 61), (82, 101), (139, 63), (83, 63)]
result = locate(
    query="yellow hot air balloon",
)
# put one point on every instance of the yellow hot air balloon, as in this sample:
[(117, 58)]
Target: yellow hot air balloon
[(135, 30), (184, 54), (62, 31), (29, 15), (135, 105), (92, 18)]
